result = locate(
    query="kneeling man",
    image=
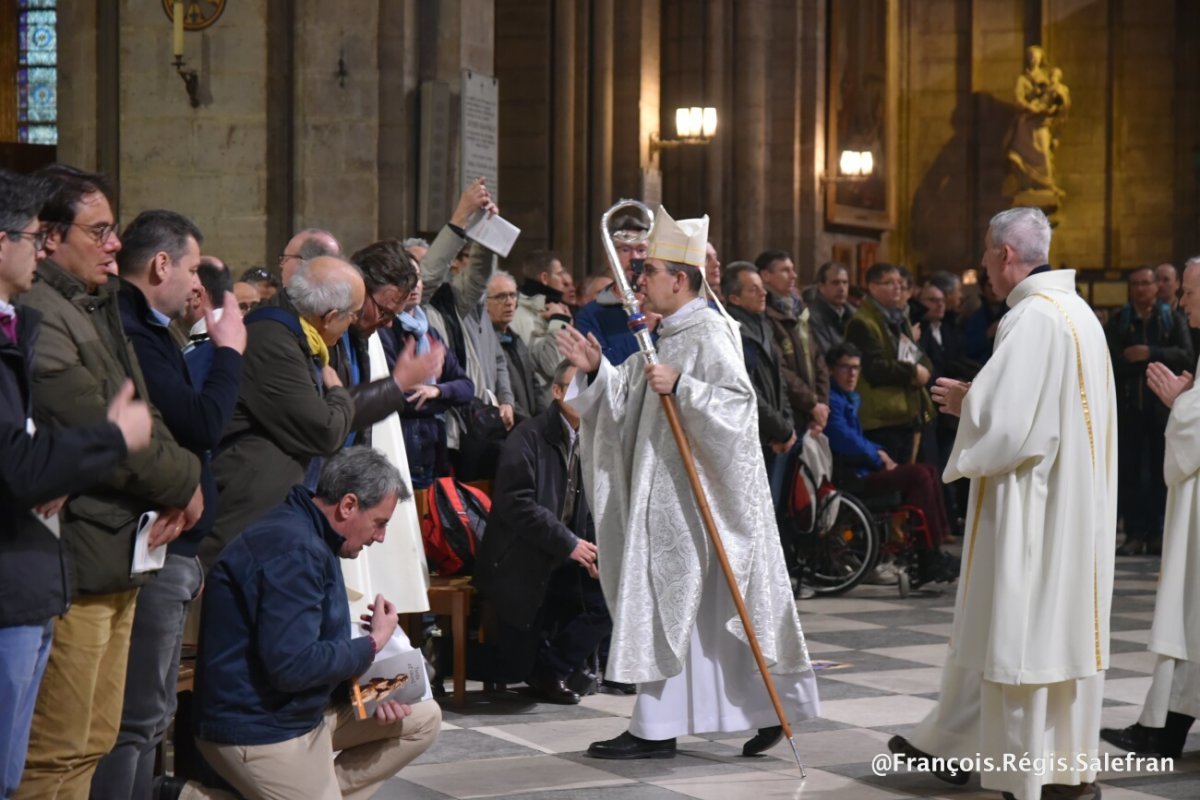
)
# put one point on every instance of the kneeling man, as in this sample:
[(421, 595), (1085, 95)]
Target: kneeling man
[(276, 649)]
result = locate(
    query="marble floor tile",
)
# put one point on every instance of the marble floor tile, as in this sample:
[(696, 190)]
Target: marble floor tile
[(872, 712), (501, 777), (933, 655), (901, 681)]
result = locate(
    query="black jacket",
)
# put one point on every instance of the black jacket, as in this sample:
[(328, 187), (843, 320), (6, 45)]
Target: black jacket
[(526, 539), (34, 583), (1166, 333), (195, 418), (828, 329), (775, 422)]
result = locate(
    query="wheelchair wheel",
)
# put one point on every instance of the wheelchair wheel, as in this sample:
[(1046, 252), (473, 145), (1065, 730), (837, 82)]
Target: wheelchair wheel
[(838, 558)]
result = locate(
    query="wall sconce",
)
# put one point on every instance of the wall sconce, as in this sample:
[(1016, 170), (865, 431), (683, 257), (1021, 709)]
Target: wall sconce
[(853, 165), (694, 125), (856, 163)]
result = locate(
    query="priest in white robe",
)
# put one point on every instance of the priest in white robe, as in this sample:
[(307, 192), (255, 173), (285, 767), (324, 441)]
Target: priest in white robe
[(676, 633), (1173, 701), (1024, 676)]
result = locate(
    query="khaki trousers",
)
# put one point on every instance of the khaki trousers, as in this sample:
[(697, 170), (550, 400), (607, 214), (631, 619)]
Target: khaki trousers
[(78, 710), (305, 767)]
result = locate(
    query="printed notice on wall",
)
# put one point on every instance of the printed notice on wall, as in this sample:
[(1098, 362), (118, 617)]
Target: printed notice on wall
[(480, 130)]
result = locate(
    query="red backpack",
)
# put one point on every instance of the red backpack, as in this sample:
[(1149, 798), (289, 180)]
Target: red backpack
[(453, 526)]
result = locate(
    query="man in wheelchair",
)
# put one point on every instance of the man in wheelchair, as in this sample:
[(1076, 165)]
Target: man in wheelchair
[(865, 469)]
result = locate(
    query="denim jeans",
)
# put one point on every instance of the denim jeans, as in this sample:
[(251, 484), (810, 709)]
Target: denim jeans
[(23, 653), (162, 608)]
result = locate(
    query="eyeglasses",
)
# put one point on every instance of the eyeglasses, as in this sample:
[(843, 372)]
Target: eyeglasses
[(100, 232), (37, 237), (286, 256), (385, 313), (504, 297), (245, 307)]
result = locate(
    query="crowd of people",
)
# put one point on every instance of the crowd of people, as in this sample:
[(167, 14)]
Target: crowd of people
[(256, 429)]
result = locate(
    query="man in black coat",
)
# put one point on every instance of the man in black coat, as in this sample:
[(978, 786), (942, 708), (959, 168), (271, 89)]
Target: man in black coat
[(158, 265), (37, 471), (1145, 330), (536, 567)]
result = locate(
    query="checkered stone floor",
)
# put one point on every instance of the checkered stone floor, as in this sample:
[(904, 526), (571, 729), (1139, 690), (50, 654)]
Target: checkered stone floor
[(889, 654)]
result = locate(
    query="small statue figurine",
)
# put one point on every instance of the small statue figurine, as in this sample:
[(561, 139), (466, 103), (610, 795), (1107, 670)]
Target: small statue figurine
[(1043, 101)]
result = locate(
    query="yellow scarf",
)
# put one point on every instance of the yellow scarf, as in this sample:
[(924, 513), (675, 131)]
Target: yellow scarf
[(315, 343)]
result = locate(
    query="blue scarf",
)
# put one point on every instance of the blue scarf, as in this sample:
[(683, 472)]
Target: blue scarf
[(416, 323)]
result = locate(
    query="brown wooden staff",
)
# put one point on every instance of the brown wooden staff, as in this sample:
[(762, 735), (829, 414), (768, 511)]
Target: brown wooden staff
[(637, 324)]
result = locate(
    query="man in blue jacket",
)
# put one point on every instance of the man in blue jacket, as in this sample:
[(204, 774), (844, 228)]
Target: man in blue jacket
[(37, 471), (158, 262), (276, 648)]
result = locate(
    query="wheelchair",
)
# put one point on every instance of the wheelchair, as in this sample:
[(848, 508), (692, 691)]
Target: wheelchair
[(839, 536)]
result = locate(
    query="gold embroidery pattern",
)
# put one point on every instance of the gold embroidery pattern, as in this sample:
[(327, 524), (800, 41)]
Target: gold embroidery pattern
[(1087, 418), (974, 533)]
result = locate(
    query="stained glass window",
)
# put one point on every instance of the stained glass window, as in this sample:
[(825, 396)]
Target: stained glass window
[(37, 71)]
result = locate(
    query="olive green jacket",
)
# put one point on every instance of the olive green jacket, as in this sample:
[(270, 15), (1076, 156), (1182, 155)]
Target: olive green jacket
[(80, 361), (889, 397)]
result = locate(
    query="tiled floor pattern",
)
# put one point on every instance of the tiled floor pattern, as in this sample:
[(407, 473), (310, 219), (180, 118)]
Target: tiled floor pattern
[(508, 746)]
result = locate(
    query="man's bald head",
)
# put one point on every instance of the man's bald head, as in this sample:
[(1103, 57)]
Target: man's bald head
[(305, 246), (328, 291)]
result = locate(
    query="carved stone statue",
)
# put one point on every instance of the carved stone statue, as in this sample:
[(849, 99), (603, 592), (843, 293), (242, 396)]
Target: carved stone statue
[(1043, 101)]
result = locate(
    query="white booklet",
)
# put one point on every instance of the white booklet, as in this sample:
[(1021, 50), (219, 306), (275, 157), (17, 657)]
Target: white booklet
[(145, 557), (399, 677), (495, 233)]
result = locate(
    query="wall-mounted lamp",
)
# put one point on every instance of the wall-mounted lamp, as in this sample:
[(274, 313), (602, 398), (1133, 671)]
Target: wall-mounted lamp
[(694, 125), (856, 163), (853, 165)]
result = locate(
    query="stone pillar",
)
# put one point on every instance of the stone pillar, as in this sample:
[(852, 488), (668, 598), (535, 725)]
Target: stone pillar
[(750, 113)]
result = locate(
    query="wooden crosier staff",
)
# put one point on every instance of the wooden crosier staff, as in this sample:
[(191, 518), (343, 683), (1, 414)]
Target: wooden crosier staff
[(637, 324)]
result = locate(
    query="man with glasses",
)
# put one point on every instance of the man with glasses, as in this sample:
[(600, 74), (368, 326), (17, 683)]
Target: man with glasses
[(502, 296), (82, 358), (37, 470), (304, 246), (389, 276), (894, 401), (1145, 330)]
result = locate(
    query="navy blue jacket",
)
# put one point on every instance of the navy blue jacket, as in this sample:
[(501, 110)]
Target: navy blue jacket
[(424, 428), (195, 418), (33, 470), (275, 633), (610, 325)]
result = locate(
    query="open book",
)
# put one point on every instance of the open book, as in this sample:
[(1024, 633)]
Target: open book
[(399, 677)]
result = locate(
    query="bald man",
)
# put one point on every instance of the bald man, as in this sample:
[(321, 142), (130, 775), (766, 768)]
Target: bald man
[(292, 409), (304, 246)]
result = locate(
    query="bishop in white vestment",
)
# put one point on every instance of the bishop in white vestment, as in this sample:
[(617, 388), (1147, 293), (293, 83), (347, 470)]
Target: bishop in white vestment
[(676, 632), (1173, 701), (1024, 676)]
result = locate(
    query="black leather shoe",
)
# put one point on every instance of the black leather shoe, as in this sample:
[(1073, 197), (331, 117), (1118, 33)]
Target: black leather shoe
[(553, 690), (764, 740), (612, 687), (901, 746), (628, 746), (1143, 741)]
